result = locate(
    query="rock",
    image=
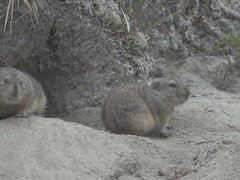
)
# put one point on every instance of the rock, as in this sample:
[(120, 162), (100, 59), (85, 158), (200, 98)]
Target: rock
[(215, 70)]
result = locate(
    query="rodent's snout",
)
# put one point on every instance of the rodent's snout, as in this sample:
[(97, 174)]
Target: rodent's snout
[(187, 91), (15, 91)]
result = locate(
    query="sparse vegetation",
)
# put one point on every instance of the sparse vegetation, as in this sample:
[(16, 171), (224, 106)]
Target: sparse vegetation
[(114, 26), (33, 6), (123, 30), (138, 3), (132, 47), (232, 40)]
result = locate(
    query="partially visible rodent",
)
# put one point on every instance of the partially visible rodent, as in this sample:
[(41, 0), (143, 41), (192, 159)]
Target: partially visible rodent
[(20, 94), (143, 109)]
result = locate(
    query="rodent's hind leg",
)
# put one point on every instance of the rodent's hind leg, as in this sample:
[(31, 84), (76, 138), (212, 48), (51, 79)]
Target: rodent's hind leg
[(25, 114), (22, 114), (134, 119), (40, 114)]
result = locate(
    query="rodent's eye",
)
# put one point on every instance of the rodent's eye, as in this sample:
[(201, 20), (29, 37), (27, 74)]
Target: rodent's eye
[(5, 81), (173, 85)]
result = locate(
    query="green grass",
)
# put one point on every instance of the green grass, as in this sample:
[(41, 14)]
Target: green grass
[(138, 3), (132, 47), (232, 40), (116, 27)]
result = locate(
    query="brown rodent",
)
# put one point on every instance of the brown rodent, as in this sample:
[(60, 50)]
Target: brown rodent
[(20, 94), (143, 109)]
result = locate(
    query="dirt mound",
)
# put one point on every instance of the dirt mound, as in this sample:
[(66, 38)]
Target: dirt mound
[(205, 144)]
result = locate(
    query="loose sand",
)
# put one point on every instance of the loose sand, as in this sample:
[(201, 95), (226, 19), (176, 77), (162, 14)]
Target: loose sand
[(205, 144)]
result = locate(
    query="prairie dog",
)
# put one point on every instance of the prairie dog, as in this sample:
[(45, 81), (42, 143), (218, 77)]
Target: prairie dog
[(20, 94), (143, 109)]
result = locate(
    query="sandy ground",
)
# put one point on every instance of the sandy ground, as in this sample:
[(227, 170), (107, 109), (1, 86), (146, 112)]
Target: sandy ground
[(205, 144)]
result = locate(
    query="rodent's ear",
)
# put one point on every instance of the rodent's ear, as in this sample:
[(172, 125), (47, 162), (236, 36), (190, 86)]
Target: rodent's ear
[(21, 82), (155, 85), (149, 83)]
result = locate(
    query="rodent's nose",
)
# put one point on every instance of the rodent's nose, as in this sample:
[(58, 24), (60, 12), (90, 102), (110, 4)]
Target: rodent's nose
[(187, 91), (15, 91)]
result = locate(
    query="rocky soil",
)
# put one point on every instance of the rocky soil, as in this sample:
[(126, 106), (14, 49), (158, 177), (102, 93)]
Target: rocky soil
[(80, 50)]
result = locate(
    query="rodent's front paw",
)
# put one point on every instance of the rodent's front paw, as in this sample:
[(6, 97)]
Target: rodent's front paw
[(22, 115), (168, 127), (40, 114), (164, 133)]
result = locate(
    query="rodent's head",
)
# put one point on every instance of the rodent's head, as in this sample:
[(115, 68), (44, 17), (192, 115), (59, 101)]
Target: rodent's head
[(11, 87), (170, 87)]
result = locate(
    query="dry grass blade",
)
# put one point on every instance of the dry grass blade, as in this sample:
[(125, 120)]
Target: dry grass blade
[(199, 163), (11, 15), (7, 14), (127, 22), (28, 5), (33, 6)]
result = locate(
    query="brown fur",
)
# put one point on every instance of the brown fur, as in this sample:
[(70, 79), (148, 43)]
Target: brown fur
[(20, 94), (143, 109)]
